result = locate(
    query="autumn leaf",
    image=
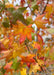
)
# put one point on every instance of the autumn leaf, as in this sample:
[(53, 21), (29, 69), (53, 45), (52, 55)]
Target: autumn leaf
[(34, 68), (18, 50), (26, 32), (28, 59), (22, 38), (40, 22)]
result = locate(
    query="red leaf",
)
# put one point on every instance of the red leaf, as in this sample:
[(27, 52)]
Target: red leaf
[(22, 38), (29, 37), (40, 40), (28, 64), (2, 47), (37, 46)]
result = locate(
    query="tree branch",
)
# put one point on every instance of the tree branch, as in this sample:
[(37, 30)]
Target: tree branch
[(44, 7)]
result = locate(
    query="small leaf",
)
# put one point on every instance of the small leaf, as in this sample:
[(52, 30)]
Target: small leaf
[(33, 34), (29, 20)]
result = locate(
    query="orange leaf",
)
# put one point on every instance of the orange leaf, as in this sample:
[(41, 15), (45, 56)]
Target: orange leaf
[(28, 59), (22, 38)]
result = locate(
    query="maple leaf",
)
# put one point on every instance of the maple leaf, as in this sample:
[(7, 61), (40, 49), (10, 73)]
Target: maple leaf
[(40, 22), (18, 50), (26, 32), (28, 58)]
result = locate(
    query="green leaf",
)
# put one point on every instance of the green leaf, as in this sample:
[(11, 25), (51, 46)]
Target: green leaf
[(33, 34), (15, 64), (29, 20), (3, 70), (6, 24)]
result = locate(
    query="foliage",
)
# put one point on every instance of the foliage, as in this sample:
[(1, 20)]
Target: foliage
[(23, 53)]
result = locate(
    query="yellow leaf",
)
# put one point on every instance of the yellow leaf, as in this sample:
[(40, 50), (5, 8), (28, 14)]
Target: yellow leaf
[(5, 42), (40, 62), (34, 68), (23, 71), (25, 12), (18, 50)]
